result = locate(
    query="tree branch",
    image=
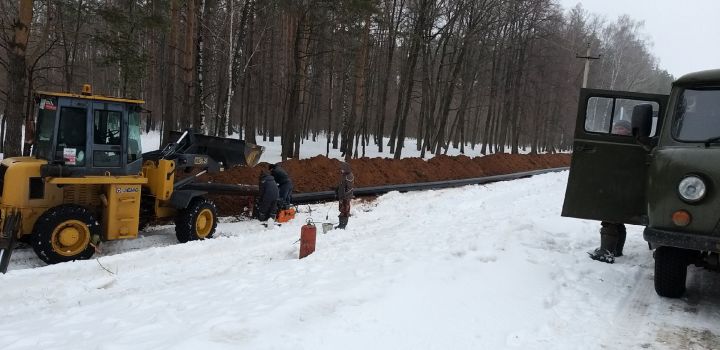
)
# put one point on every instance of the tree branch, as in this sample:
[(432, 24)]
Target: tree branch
[(45, 52)]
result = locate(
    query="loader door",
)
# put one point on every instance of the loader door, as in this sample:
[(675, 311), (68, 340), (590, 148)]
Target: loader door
[(609, 167), (108, 134), (71, 147)]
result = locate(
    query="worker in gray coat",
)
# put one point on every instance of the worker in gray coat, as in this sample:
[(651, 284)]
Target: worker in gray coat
[(267, 203), (284, 182), (345, 193)]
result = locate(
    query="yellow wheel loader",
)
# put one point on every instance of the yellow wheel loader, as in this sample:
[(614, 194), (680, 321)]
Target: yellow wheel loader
[(88, 181)]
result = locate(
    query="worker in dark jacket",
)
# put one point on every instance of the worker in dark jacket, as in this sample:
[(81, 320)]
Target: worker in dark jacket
[(284, 182), (612, 234), (345, 193), (267, 203)]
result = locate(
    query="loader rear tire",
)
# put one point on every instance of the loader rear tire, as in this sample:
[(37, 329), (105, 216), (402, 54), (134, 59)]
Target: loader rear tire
[(196, 222), (64, 233)]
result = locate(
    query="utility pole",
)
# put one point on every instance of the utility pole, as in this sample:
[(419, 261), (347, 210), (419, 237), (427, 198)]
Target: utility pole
[(587, 59)]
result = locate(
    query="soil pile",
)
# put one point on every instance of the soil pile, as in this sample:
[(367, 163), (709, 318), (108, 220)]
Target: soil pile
[(320, 173)]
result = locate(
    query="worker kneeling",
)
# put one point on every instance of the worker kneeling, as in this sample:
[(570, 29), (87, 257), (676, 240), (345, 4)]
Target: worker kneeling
[(266, 206), (285, 185)]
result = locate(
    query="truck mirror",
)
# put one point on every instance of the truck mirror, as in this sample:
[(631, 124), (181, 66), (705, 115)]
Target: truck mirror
[(642, 120)]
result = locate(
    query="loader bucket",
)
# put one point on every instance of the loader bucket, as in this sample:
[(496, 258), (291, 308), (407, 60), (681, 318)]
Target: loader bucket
[(229, 152)]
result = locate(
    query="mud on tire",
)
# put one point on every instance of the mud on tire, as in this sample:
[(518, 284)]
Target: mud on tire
[(670, 271), (197, 221), (64, 233)]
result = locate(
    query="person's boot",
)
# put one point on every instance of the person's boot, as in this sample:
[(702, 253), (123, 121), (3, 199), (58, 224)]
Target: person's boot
[(343, 222), (602, 255), (606, 252), (622, 233)]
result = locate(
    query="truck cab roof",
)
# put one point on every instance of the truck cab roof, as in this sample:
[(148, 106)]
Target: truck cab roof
[(706, 77)]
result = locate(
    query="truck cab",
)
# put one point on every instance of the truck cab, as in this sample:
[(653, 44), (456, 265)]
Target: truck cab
[(665, 176)]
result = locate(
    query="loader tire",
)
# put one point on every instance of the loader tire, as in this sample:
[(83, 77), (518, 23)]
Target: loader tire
[(64, 233), (196, 222), (670, 271)]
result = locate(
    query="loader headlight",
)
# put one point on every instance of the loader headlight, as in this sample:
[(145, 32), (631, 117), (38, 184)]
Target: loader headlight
[(692, 188)]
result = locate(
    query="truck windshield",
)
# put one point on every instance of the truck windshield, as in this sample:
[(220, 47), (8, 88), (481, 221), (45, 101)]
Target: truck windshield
[(697, 115)]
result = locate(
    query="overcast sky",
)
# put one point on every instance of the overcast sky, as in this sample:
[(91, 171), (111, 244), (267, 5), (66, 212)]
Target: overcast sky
[(686, 34)]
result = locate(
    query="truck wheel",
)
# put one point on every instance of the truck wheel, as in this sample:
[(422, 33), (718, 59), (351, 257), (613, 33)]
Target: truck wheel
[(197, 221), (670, 271), (63, 233)]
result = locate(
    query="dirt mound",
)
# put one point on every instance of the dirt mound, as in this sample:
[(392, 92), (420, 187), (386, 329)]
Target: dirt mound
[(321, 174)]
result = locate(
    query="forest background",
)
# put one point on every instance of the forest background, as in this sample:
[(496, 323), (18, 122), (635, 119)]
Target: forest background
[(501, 75)]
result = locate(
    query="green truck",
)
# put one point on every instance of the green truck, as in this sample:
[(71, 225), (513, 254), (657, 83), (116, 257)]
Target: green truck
[(665, 176)]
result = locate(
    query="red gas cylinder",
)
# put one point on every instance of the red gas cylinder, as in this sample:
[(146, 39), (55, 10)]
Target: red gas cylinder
[(308, 233)]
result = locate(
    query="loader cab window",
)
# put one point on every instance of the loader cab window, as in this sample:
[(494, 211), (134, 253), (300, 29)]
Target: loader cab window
[(607, 115), (107, 126), (134, 143), (46, 112), (71, 139)]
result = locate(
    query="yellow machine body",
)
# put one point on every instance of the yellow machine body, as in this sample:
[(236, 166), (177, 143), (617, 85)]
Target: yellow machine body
[(121, 211), (161, 178), (88, 180), (116, 199)]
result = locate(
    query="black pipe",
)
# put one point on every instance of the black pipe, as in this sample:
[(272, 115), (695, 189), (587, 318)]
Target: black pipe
[(228, 189), (301, 198)]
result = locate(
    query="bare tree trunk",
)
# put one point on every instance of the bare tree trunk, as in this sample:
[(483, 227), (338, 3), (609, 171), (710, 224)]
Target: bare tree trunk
[(71, 48), (392, 34), (169, 110), (249, 118), (359, 93), (233, 65), (299, 82), (410, 81), (17, 77), (199, 116), (189, 64)]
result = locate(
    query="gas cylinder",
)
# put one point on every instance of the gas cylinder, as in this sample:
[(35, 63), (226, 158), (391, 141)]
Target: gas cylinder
[(308, 233)]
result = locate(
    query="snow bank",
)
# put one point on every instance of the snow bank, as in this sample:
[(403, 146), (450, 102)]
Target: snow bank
[(480, 267)]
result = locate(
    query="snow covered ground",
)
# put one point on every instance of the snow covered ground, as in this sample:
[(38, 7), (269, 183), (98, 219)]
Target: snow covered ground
[(309, 148), (479, 267)]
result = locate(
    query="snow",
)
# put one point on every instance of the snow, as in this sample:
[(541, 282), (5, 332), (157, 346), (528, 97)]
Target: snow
[(309, 148), (479, 267)]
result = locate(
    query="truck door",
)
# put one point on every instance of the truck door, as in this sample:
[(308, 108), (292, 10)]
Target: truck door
[(608, 171)]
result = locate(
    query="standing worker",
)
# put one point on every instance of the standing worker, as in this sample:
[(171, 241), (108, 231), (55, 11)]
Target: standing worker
[(284, 182), (267, 204), (345, 193), (612, 234)]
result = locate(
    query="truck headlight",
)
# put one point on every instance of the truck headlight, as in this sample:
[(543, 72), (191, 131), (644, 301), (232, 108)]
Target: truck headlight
[(692, 188)]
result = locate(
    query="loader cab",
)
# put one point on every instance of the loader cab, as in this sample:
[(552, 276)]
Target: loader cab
[(87, 134)]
